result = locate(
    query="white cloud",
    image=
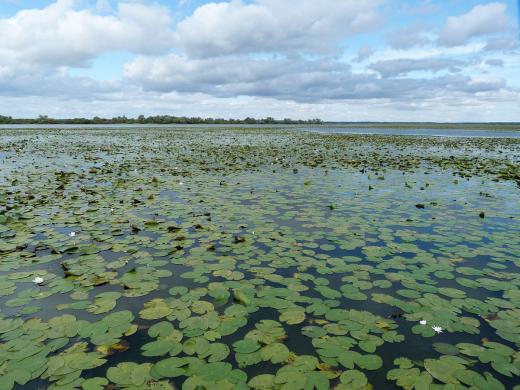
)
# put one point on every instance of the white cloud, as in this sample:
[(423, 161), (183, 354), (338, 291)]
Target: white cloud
[(469, 49), (297, 79), (503, 43), (256, 58), (401, 66), (61, 35), (480, 20), (487, 106), (420, 7), (495, 62), (364, 53), (410, 36), (273, 25)]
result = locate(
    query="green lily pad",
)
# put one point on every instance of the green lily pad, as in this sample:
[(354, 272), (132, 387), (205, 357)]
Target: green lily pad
[(246, 346)]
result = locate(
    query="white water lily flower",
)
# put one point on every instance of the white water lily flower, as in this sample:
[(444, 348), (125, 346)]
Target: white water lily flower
[(438, 329), (72, 234), (422, 322), (37, 280)]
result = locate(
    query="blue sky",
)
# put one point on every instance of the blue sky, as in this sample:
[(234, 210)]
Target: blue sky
[(337, 60)]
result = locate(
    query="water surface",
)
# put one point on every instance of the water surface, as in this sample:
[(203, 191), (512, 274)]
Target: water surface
[(326, 129), (257, 258)]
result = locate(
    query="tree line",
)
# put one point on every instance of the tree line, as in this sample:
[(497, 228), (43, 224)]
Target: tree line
[(156, 119)]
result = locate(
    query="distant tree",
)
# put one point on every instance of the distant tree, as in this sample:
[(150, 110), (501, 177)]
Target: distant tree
[(5, 119), (157, 119)]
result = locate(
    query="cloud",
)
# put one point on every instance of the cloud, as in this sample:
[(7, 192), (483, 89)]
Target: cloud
[(480, 20), (296, 79), (407, 37), (234, 27), (255, 58), (495, 62), (401, 66), (502, 43), (58, 83), (420, 7), (492, 106), (60, 35), (364, 53), (293, 78)]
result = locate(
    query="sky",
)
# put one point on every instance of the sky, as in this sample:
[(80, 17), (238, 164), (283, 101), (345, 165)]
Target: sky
[(337, 60)]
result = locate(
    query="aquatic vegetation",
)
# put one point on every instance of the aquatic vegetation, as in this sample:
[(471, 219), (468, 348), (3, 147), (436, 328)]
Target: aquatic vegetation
[(257, 258), (437, 329)]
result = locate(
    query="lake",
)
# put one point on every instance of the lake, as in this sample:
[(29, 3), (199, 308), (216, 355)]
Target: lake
[(336, 129), (249, 257)]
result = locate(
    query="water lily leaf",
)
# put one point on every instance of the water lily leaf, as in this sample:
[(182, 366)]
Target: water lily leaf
[(313, 331), (161, 347), (276, 353), (292, 317), (328, 292), (316, 380), (446, 349), (348, 358), (216, 352), (369, 362), (444, 369), (161, 329), (214, 372), (248, 359), (140, 374), (122, 373), (292, 378), (246, 346), (155, 309), (196, 345), (470, 349), (170, 368), (242, 296), (354, 378), (423, 330), (262, 382), (452, 292), (94, 384), (393, 337)]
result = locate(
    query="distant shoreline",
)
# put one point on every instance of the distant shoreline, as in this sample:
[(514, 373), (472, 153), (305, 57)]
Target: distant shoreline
[(511, 126), (154, 120), (174, 120), (506, 127)]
